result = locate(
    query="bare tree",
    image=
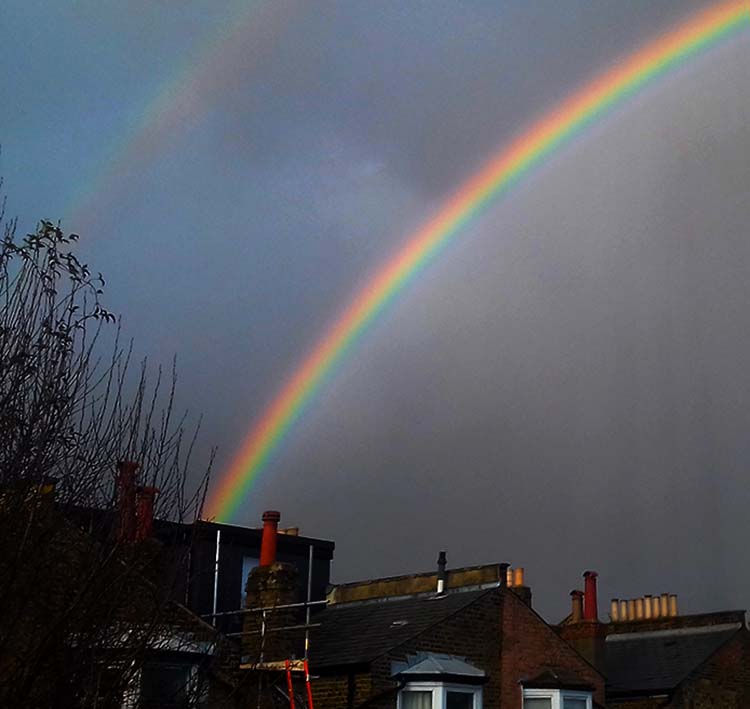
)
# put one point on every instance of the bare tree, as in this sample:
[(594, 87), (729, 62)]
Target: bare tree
[(82, 602)]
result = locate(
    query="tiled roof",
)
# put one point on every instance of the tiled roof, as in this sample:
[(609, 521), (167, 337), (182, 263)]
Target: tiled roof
[(659, 660), (355, 633)]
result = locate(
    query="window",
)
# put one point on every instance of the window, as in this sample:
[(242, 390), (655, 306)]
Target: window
[(439, 695), (574, 703), (166, 685), (459, 700), (416, 700), (537, 703), (555, 699)]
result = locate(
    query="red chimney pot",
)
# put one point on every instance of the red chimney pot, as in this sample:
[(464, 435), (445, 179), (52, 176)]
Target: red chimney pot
[(268, 543), (144, 512), (590, 610), (126, 471)]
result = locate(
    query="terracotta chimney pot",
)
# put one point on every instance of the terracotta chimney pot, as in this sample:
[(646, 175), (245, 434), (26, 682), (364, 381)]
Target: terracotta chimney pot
[(576, 614), (268, 543), (590, 609)]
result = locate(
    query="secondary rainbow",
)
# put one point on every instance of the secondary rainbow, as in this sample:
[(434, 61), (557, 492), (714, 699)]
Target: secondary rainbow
[(181, 102), (492, 181)]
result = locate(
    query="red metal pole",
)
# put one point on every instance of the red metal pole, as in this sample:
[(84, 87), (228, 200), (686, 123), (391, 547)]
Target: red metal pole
[(289, 684), (307, 683)]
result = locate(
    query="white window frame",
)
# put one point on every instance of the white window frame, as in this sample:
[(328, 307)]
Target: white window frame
[(440, 693), (557, 696)]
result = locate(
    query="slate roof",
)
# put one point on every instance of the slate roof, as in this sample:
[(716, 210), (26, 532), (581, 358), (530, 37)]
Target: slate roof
[(356, 633), (658, 661)]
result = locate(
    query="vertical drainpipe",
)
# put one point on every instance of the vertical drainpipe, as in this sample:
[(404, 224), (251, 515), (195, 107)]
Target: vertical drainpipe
[(216, 573)]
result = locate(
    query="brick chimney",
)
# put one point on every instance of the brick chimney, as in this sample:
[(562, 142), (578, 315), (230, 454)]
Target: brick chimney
[(585, 634), (269, 585), (125, 509)]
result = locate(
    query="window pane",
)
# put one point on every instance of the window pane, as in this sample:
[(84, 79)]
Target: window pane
[(165, 686), (416, 700), (574, 703), (537, 703), (460, 700)]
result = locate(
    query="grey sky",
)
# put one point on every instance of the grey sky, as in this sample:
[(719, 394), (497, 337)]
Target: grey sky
[(566, 388)]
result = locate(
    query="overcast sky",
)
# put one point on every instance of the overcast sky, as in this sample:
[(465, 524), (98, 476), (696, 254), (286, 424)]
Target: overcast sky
[(566, 388)]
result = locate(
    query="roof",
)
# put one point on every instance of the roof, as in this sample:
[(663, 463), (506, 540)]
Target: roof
[(658, 661), (431, 665), (356, 633)]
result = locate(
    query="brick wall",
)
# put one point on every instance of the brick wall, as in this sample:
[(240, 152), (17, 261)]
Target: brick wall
[(723, 681), (342, 691), (530, 646), (473, 633), (523, 647)]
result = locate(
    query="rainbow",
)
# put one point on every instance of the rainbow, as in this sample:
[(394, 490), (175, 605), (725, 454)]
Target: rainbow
[(180, 102), (513, 162)]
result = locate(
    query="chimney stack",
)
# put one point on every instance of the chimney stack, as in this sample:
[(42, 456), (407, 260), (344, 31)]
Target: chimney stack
[(144, 512), (268, 542), (590, 610), (441, 574), (126, 521), (272, 585), (576, 614)]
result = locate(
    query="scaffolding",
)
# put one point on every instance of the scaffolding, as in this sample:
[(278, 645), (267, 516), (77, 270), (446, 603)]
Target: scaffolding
[(278, 671)]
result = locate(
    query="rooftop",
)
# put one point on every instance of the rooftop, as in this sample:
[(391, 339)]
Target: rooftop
[(657, 661)]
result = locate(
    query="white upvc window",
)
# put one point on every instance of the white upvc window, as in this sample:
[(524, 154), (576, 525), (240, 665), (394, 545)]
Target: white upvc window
[(439, 695), (556, 699)]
